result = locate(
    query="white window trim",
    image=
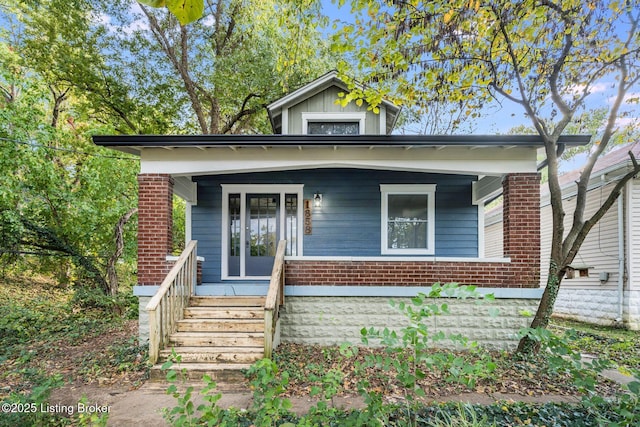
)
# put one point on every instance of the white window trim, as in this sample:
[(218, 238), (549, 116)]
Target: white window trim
[(430, 191), (243, 190), (333, 117)]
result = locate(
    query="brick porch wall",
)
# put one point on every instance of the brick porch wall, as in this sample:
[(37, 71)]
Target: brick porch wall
[(521, 226), (155, 236), (521, 243)]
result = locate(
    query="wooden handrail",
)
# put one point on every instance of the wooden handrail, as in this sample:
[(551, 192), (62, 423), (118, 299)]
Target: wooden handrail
[(167, 306), (275, 299)]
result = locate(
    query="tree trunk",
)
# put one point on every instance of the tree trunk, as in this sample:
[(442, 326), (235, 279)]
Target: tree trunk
[(118, 234), (545, 308)]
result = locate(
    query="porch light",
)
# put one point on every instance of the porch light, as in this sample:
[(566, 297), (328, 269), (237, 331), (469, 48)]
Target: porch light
[(317, 200)]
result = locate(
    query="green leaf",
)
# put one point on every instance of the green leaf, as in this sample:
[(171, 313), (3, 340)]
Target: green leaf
[(153, 3), (186, 10), (634, 387)]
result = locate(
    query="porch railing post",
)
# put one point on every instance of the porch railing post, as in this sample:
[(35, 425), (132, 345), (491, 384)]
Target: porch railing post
[(275, 298)]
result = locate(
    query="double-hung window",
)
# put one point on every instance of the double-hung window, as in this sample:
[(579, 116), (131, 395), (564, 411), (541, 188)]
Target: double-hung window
[(408, 219)]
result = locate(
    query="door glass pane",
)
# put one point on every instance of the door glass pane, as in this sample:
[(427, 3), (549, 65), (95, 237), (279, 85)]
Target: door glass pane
[(263, 225), (234, 222), (407, 221), (235, 227), (291, 223)]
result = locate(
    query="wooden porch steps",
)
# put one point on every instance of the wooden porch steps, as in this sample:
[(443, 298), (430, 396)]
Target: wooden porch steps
[(219, 336)]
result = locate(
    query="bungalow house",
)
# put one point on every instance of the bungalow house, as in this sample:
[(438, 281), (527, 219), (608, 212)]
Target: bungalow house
[(603, 287), (365, 216)]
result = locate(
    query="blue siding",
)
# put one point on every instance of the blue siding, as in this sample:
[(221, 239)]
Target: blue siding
[(349, 222)]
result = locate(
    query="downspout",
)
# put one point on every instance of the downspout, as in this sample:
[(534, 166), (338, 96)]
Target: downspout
[(621, 256)]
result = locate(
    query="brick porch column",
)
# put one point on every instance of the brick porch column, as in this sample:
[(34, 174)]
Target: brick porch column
[(155, 236), (521, 226)]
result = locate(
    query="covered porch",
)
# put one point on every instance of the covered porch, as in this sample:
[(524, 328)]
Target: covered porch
[(397, 214), (341, 242)]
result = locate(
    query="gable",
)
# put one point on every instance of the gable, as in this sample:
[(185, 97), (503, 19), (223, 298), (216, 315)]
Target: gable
[(322, 107), (319, 98)]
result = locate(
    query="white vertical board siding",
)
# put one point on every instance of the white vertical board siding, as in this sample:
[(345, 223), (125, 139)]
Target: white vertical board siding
[(600, 248), (632, 297), (325, 102), (545, 242), (586, 298), (493, 234), (633, 242)]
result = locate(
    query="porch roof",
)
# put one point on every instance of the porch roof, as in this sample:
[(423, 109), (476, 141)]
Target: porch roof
[(134, 144)]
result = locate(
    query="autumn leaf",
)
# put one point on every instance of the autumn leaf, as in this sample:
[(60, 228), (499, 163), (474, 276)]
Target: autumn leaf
[(448, 16)]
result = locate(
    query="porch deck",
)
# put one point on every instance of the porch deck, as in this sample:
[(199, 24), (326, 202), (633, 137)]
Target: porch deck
[(233, 288)]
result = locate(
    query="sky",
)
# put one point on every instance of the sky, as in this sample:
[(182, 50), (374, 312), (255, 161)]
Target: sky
[(500, 118), (496, 119)]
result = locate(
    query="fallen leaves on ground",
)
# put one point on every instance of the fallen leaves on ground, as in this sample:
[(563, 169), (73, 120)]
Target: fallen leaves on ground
[(306, 364), (95, 360)]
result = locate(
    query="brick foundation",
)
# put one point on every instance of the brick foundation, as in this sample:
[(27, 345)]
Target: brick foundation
[(155, 236), (404, 273)]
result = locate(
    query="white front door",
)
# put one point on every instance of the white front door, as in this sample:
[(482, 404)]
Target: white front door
[(255, 218)]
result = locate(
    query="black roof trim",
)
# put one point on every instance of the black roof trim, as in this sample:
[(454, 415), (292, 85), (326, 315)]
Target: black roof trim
[(328, 140)]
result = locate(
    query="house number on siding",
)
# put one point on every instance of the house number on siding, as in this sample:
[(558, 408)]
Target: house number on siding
[(307, 217)]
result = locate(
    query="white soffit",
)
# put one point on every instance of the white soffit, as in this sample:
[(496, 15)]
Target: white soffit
[(454, 160), (186, 189), (486, 188)]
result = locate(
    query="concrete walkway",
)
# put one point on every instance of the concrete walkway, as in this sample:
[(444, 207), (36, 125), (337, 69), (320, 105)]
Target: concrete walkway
[(611, 374), (142, 407)]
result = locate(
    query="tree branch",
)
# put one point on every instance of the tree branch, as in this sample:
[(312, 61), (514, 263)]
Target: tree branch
[(581, 196), (118, 234), (181, 64), (559, 63), (244, 111), (7, 94), (588, 225), (48, 239), (58, 99), (525, 101)]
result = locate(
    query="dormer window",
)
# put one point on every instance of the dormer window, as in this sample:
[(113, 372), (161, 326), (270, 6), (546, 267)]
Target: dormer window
[(333, 123), (333, 128)]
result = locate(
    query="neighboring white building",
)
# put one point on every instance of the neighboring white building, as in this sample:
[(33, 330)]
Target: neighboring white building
[(608, 290)]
